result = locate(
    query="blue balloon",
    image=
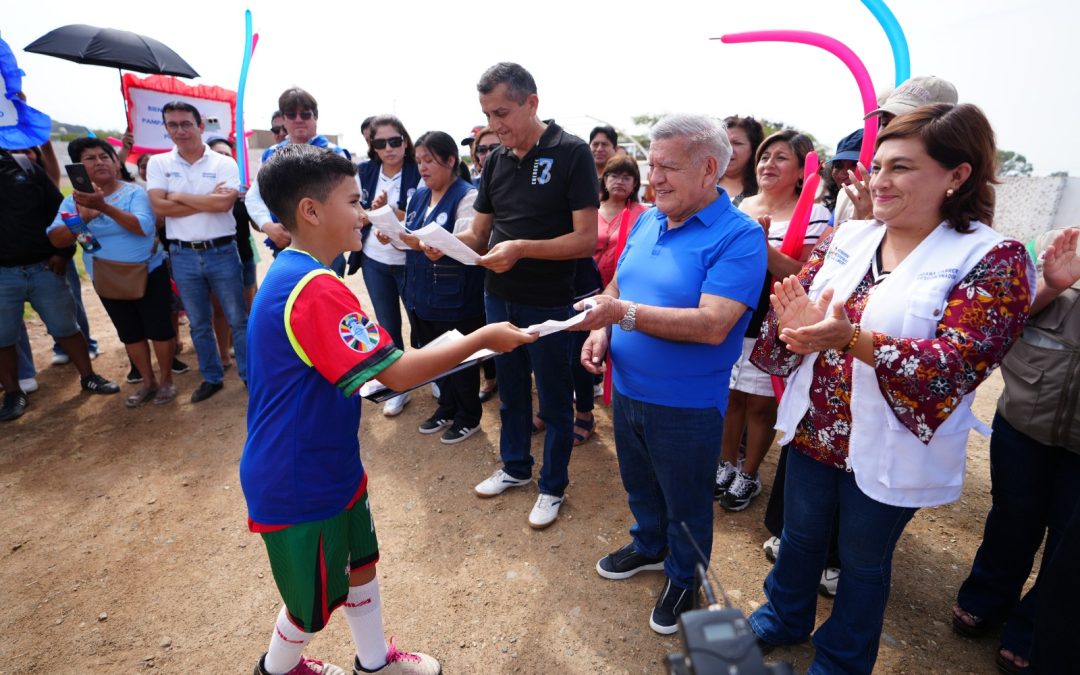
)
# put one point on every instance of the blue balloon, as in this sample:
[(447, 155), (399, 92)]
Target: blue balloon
[(901, 57), (31, 127)]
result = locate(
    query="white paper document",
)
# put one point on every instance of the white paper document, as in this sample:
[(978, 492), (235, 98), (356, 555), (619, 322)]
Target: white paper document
[(436, 237), (552, 326), (385, 220), (380, 391)]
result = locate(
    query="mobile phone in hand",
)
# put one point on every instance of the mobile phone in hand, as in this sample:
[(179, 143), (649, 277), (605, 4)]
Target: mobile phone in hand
[(80, 180)]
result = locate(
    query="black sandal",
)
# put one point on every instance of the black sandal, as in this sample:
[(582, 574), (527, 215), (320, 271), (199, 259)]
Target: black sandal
[(963, 628), (587, 427)]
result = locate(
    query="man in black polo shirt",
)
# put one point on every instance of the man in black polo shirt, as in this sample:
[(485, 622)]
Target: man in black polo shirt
[(535, 215), (32, 269)]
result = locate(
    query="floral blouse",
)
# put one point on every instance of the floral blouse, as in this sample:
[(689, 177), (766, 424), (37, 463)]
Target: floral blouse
[(923, 380)]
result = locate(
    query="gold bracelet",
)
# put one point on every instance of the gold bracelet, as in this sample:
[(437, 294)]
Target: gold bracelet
[(853, 340)]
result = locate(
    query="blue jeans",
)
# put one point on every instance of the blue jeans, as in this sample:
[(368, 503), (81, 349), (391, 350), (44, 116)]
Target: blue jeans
[(72, 276), (48, 293), (667, 460), (1035, 489), (549, 357), (386, 286), (848, 640), (197, 273), (26, 355)]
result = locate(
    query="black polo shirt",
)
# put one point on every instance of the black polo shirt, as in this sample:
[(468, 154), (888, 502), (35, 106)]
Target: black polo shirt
[(535, 198)]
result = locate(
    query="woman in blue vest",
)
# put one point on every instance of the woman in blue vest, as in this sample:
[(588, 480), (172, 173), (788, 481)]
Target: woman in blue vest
[(445, 295), (391, 179)]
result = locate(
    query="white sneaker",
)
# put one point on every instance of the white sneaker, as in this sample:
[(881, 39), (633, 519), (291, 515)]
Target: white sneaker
[(402, 663), (771, 548), (435, 390), (545, 511), (395, 405), (830, 579), (497, 483), (93, 354), (60, 359), (28, 385)]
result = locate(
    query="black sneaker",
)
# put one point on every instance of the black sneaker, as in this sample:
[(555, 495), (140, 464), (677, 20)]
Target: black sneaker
[(725, 474), (457, 433), (434, 424), (205, 391), (743, 489), (626, 562), (672, 602), (133, 376), (179, 367), (14, 406), (97, 384)]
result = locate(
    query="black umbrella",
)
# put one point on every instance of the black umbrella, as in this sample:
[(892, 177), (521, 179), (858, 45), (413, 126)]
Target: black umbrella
[(111, 47)]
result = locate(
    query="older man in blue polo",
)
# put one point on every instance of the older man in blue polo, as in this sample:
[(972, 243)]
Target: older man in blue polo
[(673, 317)]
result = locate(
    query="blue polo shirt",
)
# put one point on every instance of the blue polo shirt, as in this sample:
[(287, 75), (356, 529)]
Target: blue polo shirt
[(720, 251)]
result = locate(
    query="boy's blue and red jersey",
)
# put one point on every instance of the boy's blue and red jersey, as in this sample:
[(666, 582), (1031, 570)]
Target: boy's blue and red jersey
[(311, 348)]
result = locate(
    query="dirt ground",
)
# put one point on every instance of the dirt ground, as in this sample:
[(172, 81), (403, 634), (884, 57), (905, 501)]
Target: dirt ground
[(124, 546)]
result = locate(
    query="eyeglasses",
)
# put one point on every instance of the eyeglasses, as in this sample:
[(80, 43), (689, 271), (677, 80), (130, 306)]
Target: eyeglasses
[(393, 142), (302, 114), (620, 177), (186, 125), (277, 130), (485, 149)]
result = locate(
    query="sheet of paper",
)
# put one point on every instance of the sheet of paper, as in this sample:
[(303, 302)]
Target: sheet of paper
[(436, 237), (372, 387), (385, 220), (552, 326)]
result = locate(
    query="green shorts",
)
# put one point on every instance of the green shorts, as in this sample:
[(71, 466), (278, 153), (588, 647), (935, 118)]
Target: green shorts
[(311, 562)]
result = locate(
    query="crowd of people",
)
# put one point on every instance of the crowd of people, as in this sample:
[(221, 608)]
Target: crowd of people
[(896, 302)]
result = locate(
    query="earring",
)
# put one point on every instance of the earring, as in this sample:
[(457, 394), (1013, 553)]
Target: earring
[(949, 193)]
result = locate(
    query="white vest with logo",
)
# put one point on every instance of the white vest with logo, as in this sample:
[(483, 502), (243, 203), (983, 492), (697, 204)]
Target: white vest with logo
[(891, 464)]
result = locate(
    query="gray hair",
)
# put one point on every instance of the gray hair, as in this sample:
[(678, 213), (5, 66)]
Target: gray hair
[(519, 82), (707, 137)]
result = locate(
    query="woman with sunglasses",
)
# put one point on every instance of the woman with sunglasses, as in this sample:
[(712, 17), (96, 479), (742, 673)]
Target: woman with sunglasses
[(484, 143), (391, 179)]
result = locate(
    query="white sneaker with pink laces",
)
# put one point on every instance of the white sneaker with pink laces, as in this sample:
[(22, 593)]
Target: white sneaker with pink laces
[(307, 666), (402, 663)]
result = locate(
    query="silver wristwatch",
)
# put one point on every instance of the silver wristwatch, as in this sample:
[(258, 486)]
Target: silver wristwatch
[(629, 319)]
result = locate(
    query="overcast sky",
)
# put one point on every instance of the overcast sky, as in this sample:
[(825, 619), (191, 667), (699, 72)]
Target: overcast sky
[(1017, 59)]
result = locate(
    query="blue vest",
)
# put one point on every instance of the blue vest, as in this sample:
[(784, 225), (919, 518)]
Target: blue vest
[(368, 172), (446, 290)]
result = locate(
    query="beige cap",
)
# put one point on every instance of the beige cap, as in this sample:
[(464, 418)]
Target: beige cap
[(915, 92)]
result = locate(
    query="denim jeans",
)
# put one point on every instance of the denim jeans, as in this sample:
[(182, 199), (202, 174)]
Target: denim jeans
[(386, 286), (72, 276), (48, 293), (667, 460), (848, 640), (26, 355), (549, 357), (1035, 489), (197, 273)]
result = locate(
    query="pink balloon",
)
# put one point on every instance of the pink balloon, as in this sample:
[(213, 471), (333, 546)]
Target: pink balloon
[(840, 51)]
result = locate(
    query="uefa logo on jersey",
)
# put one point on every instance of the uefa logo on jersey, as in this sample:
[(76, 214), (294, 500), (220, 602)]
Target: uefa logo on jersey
[(358, 332)]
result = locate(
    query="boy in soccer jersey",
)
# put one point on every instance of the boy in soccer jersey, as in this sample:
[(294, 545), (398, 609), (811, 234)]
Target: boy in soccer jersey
[(312, 347)]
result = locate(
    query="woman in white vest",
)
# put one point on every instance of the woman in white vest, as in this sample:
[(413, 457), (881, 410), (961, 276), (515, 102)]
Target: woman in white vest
[(928, 299)]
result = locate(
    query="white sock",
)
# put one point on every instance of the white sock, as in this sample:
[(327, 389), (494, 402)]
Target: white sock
[(286, 645), (363, 610)]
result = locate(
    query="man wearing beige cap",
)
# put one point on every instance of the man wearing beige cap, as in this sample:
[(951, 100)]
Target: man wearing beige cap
[(853, 202)]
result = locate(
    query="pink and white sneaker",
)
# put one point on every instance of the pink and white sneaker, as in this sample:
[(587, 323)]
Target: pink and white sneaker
[(402, 663), (307, 666)]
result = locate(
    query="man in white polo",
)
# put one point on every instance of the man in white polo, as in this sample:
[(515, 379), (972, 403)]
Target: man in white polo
[(194, 189)]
